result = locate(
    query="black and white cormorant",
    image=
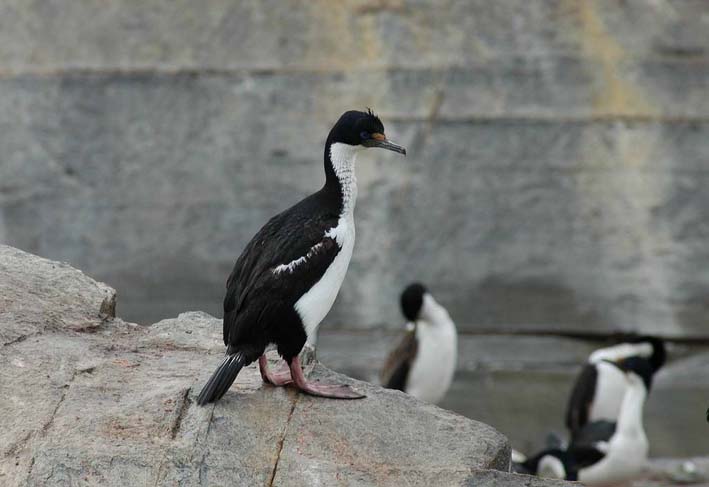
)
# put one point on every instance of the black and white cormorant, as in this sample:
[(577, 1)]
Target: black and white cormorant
[(604, 453), (424, 362), (287, 277), (600, 386)]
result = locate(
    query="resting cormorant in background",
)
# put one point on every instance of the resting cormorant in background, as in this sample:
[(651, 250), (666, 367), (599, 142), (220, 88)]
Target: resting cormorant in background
[(600, 386), (287, 277), (424, 362), (604, 453)]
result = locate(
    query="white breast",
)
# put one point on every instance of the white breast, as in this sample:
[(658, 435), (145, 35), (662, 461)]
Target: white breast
[(626, 452), (316, 303), (434, 366), (625, 460), (611, 386)]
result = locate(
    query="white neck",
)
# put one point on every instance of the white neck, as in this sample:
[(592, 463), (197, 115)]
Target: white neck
[(630, 419), (343, 158), (433, 314)]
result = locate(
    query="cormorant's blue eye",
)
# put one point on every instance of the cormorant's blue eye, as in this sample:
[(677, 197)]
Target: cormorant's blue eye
[(365, 135)]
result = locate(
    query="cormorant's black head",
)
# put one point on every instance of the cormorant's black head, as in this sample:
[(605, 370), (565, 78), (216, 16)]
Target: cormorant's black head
[(363, 129), (659, 355), (412, 300), (639, 366)]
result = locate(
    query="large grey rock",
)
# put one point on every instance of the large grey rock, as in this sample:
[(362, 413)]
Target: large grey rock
[(114, 404), (38, 294), (556, 151)]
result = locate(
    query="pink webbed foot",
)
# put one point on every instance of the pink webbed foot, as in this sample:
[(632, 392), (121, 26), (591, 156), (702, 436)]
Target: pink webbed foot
[(280, 378), (333, 391)]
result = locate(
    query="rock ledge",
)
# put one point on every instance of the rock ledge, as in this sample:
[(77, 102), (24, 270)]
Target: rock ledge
[(88, 399)]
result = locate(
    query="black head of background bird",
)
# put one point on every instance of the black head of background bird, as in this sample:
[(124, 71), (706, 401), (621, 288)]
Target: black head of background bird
[(659, 354), (412, 300)]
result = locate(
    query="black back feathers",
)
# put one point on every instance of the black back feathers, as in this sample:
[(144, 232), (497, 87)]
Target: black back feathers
[(395, 373), (578, 408)]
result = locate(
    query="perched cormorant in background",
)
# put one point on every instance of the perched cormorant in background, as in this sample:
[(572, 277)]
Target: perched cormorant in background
[(600, 386), (287, 277), (424, 362), (604, 453)]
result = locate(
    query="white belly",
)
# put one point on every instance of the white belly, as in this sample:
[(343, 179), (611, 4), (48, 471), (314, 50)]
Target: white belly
[(314, 305), (611, 386), (432, 371), (626, 459)]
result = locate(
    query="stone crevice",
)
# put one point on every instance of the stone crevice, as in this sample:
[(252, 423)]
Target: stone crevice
[(66, 388), (283, 440), (19, 339), (203, 461), (17, 446), (182, 408), (45, 428)]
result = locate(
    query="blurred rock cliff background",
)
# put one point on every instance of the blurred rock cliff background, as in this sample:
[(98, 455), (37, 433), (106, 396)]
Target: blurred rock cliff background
[(557, 170)]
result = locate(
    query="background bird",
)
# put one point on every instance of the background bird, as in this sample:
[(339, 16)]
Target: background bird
[(600, 386), (424, 362), (289, 274), (604, 453)]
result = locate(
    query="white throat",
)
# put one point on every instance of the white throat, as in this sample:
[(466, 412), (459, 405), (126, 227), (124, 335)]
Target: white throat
[(314, 305), (343, 158)]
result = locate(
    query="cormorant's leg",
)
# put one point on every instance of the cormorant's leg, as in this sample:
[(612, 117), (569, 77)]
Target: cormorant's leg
[(280, 378), (335, 391)]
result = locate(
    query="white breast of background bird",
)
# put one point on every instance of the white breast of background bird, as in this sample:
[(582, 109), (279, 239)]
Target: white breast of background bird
[(434, 366), (611, 388), (626, 453), (316, 303)]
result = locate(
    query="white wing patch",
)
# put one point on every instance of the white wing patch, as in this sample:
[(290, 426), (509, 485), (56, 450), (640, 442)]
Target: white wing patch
[(291, 266)]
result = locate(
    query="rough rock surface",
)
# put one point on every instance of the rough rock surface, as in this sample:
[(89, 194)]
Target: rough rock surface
[(38, 294), (113, 404), (557, 150)]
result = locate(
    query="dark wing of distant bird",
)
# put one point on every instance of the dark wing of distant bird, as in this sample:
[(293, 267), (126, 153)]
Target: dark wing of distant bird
[(591, 433), (396, 368), (256, 288), (578, 408), (585, 456)]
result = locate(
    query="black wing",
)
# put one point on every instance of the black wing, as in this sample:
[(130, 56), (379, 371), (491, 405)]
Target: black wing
[(581, 399), (585, 456), (592, 433), (396, 369), (254, 291)]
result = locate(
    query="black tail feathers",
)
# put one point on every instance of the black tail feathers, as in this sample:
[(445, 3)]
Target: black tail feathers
[(222, 378)]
